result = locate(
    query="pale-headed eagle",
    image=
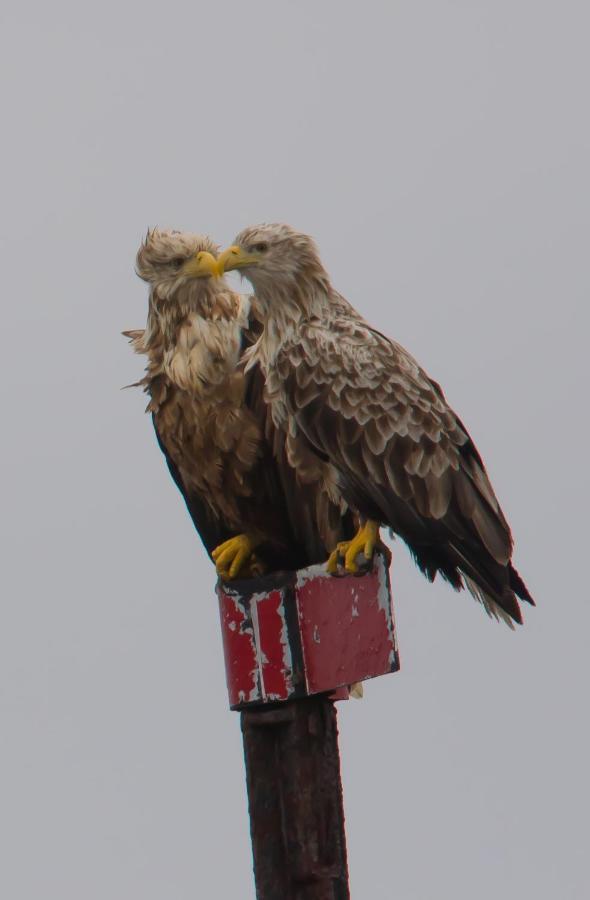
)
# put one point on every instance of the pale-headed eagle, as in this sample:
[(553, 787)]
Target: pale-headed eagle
[(228, 460), (401, 456)]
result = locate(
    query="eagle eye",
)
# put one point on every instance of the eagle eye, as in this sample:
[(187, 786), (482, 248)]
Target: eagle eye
[(261, 247), (177, 262)]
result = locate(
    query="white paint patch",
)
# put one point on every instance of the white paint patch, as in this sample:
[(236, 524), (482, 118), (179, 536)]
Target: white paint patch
[(384, 601), (261, 659), (305, 575), (355, 600), (287, 655), (257, 648)]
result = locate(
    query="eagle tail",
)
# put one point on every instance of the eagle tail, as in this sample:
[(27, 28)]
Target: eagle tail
[(492, 584), (491, 606), (518, 585)]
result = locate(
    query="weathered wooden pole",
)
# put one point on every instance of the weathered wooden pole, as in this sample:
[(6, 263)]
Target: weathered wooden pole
[(293, 643), (295, 801)]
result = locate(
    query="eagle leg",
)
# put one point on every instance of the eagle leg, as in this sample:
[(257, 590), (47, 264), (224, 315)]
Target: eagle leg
[(364, 541), (232, 557)]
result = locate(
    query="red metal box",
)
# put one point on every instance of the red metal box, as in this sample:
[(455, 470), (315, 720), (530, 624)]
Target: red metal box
[(293, 634)]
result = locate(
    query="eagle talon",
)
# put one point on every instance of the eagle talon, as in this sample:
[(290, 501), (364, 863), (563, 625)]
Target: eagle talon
[(255, 568), (336, 557), (232, 557), (364, 541)]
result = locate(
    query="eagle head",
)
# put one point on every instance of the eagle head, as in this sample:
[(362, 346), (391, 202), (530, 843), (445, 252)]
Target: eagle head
[(273, 255), (169, 258)]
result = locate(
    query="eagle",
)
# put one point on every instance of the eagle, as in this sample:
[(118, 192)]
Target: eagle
[(252, 508), (400, 456)]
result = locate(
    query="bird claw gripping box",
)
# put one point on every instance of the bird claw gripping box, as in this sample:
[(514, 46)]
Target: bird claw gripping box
[(293, 634)]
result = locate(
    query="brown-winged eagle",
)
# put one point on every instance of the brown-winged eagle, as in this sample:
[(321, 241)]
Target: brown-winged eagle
[(234, 469), (400, 455)]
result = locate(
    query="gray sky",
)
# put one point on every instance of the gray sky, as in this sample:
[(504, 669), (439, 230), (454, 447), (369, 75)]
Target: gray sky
[(438, 151)]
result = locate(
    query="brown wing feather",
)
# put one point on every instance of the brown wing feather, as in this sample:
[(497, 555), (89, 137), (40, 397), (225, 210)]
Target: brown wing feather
[(300, 482)]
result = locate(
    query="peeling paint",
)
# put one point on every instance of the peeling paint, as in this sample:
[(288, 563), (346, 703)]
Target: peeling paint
[(335, 631), (317, 571), (287, 654), (238, 645), (385, 604)]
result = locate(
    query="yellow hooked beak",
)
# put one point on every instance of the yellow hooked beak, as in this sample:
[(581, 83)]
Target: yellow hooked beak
[(202, 265), (235, 258)]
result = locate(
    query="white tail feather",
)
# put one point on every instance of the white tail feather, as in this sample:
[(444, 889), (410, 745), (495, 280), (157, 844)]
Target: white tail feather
[(493, 610)]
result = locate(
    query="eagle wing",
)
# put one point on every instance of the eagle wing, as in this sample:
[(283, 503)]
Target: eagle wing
[(402, 454), (296, 485), (211, 531)]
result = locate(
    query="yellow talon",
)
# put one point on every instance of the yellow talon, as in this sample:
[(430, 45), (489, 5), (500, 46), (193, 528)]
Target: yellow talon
[(335, 556), (365, 541), (231, 556)]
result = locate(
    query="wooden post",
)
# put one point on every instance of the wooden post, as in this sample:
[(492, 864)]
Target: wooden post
[(293, 642), (295, 800)]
